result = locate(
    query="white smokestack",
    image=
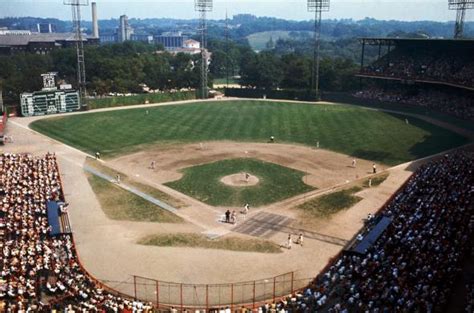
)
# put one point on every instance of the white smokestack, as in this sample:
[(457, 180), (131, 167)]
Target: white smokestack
[(95, 22)]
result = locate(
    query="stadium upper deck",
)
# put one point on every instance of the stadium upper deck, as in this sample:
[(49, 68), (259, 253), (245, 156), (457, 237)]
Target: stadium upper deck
[(435, 61)]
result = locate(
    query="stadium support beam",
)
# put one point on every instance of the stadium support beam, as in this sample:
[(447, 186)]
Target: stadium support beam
[(203, 6), (460, 6), (317, 6), (81, 65)]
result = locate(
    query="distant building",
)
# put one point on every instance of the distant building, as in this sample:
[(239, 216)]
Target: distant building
[(46, 28), (6, 31), (40, 43), (191, 44), (125, 31), (170, 41), (142, 37), (108, 38)]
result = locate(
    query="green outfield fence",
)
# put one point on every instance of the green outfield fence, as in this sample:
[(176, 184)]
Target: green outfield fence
[(145, 98), (303, 95)]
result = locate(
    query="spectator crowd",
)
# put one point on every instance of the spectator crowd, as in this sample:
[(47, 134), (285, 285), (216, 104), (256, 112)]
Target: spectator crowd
[(412, 266), (40, 272), (426, 64), (461, 106)]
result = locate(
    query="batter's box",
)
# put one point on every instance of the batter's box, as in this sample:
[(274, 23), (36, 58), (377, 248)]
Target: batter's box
[(264, 225)]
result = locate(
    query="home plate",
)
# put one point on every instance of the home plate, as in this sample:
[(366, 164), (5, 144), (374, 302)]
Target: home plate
[(264, 225)]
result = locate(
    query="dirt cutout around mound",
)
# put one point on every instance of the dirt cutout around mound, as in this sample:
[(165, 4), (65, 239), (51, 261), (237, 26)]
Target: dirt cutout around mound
[(240, 180)]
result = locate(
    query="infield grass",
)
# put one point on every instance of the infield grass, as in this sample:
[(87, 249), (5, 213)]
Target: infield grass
[(329, 204), (276, 183), (201, 241), (359, 132), (119, 204)]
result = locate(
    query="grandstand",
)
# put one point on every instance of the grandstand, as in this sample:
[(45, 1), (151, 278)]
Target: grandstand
[(435, 73)]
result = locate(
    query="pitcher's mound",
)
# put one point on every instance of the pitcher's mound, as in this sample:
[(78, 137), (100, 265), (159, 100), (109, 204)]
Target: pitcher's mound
[(240, 180)]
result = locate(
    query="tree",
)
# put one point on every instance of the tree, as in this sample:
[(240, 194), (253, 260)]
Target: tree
[(297, 71), (263, 70), (270, 44)]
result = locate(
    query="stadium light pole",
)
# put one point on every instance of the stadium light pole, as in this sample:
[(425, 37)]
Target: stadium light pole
[(460, 6), (81, 65), (203, 6), (226, 49), (317, 6)]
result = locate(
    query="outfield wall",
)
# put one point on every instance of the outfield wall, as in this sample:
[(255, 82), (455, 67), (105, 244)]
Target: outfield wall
[(302, 95)]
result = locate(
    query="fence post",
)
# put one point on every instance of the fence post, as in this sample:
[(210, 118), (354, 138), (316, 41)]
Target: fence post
[(253, 305), (135, 286), (274, 286), (207, 298), (158, 293), (181, 295), (292, 278), (231, 297)]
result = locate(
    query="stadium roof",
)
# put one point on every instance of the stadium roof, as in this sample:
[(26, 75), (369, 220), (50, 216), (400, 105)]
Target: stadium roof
[(422, 41), (24, 40)]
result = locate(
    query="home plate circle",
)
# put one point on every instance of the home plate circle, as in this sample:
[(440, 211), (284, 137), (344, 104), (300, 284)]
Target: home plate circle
[(240, 180)]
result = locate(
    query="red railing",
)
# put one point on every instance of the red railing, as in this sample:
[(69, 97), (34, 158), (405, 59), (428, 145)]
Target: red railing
[(3, 123)]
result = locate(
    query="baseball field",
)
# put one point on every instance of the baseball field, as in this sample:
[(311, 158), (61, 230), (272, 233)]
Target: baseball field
[(311, 179)]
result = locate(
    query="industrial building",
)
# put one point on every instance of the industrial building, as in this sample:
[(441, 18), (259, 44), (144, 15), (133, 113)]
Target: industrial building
[(45, 39), (171, 40), (46, 28), (40, 43), (125, 31)]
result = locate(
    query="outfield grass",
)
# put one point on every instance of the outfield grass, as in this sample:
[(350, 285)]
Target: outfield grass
[(119, 204), (275, 183), (200, 241), (329, 204), (362, 133)]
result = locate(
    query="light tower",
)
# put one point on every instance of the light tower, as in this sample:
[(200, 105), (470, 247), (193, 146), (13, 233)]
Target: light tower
[(81, 66), (460, 6), (317, 6), (203, 6)]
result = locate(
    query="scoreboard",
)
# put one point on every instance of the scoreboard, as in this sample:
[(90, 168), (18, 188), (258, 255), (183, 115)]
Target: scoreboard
[(49, 102)]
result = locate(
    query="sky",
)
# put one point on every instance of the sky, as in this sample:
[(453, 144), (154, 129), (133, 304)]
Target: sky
[(406, 10)]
